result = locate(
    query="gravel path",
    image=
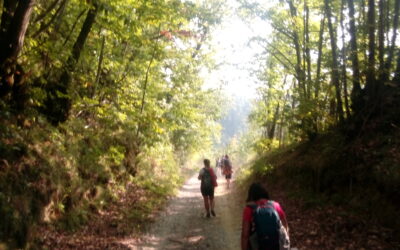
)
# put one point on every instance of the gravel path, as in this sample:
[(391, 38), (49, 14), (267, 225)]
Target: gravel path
[(182, 225)]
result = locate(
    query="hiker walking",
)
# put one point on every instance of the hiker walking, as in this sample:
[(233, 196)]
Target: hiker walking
[(218, 166), (227, 169), (264, 224), (207, 186)]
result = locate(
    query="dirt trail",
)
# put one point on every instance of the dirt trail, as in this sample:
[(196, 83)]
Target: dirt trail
[(182, 225)]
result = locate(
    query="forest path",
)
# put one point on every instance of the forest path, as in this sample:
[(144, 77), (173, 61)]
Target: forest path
[(182, 224)]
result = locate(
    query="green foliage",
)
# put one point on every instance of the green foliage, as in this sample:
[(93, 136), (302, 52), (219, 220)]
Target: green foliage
[(138, 111), (299, 98)]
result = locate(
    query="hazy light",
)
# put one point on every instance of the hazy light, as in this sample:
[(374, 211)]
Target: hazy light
[(235, 57)]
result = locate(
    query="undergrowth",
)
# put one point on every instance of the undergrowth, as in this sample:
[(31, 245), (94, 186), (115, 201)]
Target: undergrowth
[(63, 176), (358, 172)]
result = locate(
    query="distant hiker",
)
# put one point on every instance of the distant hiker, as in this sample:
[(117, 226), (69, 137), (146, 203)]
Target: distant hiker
[(227, 169), (264, 225), (208, 184), (218, 165)]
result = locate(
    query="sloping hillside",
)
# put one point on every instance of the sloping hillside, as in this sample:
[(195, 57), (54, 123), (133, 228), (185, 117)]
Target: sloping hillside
[(350, 181)]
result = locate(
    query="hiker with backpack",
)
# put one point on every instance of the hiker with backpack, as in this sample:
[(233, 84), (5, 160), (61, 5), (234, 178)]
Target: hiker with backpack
[(227, 169), (264, 224), (208, 183)]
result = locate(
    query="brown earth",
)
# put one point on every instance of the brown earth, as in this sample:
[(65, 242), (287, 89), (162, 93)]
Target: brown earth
[(182, 225)]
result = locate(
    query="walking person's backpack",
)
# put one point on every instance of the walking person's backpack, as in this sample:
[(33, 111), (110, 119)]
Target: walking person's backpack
[(207, 180), (227, 167), (269, 232)]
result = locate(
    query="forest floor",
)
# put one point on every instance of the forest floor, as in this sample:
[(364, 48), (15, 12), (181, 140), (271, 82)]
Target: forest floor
[(182, 225), (179, 225)]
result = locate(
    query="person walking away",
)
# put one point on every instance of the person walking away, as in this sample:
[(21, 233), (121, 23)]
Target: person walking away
[(218, 166), (208, 183), (227, 170), (264, 224)]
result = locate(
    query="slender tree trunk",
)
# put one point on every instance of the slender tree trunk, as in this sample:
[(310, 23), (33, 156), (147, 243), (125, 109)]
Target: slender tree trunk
[(319, 59), (271, 132), (73, 26), (371, 84), (335, 65), (9, 7), (388, 63), (144, 91), (344, 59), (15, 24), (282, 119), (96, 81), (58, 107), (364, 28), (299, 70), (15, 34), (381, 39), (60, 16), (307, 49), (356, 91), (396, 78)]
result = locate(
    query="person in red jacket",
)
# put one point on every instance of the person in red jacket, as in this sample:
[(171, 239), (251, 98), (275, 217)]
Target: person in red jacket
[(208, 183), (258, 196)]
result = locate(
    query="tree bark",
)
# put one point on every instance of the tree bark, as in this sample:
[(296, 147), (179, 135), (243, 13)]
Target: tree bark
[(96, 82), (371, 86), (58, 107), (319, 59), (299, 69), (271, 132), (381, 39), (335, 64), (356, 91), (388, 63), (307, 48), (73, 26), (14, 30), (396, 78), (344, 59), (15, 34), (9, 7)]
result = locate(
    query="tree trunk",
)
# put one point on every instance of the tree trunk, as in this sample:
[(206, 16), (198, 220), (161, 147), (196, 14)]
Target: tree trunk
[(99, 66), (58, 107), (381, 39), (15, 25), (307, 49), (299, 70), (344, 59), (396, 78), (371, 87), (356, 91), (271, 132), (9, 7), (388, 63), (335, 65), (73, 26), (319, 60), (16, 31)]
